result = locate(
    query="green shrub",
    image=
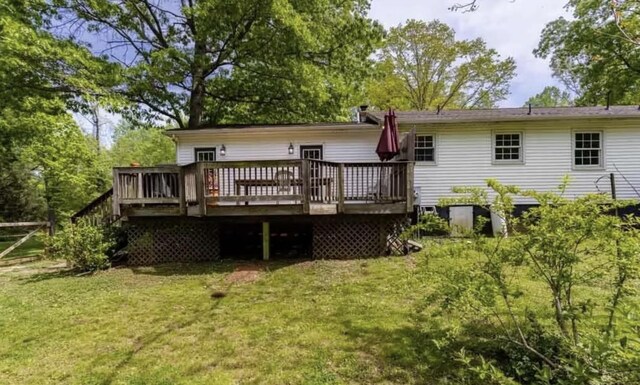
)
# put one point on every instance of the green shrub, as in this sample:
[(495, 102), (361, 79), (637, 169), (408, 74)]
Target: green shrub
[(83, 246), (534, 293)]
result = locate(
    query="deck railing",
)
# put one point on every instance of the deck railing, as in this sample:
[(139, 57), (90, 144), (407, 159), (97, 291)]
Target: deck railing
[(196, 187), (256, 181), (375, 182)]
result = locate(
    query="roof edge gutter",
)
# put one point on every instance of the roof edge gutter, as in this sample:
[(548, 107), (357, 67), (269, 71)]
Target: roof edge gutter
[(515, 119), (354, 127)]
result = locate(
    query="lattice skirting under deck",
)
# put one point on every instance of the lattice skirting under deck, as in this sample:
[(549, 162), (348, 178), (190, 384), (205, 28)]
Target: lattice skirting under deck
[(161, 240), (353, 236)]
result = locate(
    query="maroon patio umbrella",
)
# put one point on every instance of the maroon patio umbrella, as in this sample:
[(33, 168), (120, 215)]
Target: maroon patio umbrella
[(387, 149), (388, 146)]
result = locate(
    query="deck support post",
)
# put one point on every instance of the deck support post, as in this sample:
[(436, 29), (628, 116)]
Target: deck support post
[(182, 192), (341, 188), (200, 197), (409, 170), (115, 199), (266, 235), (306, 188)]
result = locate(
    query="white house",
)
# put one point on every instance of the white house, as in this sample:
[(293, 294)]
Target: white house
[(532, 148), (319, 190)]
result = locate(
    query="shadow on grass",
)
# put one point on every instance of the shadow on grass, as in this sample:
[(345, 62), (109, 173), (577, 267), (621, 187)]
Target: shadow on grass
[(416, 353), (45, 276), (213, 267)]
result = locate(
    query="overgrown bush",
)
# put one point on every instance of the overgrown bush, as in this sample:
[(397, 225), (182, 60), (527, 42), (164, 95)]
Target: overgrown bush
[(83, 246), (529, 299)]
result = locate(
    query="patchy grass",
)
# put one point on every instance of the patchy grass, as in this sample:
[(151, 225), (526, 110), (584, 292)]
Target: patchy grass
[(298, 322)]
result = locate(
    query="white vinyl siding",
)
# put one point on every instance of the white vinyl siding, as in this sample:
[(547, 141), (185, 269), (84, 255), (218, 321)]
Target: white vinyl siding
[(338, 146), (465, 158)]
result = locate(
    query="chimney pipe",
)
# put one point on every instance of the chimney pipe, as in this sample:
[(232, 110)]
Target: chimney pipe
[(362, 113), (608, 100), (529, 113)]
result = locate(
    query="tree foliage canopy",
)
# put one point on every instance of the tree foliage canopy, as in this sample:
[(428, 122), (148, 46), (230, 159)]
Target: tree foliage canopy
[(147, 146), (221, 61), (595, 53), (41, 78), (551, 96), (422, 65)]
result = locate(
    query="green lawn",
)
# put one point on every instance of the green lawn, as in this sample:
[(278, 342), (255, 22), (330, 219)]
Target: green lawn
[(323, 322), (300, 322)]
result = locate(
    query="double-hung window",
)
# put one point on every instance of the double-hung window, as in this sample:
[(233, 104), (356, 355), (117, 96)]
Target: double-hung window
[(425, 148), (587, 149), (205, 154), (507, 147)]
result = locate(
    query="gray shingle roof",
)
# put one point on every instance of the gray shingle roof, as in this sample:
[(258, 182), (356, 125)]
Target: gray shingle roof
[(509, 114)]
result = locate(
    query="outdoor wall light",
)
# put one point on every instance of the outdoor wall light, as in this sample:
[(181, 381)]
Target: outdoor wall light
[(290, 148), (223, 150)]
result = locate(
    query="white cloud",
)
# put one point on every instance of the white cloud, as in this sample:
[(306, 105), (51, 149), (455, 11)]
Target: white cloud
[(511, 27)]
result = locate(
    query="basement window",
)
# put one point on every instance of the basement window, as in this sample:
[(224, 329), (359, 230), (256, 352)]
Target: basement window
[(425, 148), (507, 147), (587, 149)]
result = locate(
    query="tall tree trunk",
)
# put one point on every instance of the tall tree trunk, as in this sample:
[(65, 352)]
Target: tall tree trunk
[(196, 102)]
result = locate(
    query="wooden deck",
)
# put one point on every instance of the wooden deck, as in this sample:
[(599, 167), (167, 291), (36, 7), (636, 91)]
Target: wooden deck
[(263, 188)]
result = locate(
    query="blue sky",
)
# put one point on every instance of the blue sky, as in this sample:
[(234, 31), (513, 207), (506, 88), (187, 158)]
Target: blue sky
[(511, 27)]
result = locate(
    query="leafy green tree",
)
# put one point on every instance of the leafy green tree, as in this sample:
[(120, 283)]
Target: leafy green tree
[(551, 96), (68, 170), (422, 66), (217, 61), (145, 146), (44, 156), (595, 53)]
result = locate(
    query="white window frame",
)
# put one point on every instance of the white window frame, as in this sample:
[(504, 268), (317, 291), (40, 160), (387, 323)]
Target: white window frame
[(434, 139), (601, 160), (494, 139), (214, 150)]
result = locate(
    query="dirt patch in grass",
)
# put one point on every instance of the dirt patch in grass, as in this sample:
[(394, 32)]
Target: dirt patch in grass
[(246, 273), (30, 267)]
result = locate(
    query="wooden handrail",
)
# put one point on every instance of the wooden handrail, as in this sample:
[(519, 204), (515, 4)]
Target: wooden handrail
[(92, 205), (251, 163)]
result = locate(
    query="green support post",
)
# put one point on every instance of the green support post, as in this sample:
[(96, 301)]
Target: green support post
[(265, 240)]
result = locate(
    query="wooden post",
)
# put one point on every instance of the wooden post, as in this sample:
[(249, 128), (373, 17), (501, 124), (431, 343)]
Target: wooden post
[(341, 187), (306, 188), (266, 235), (115, 199), (612, 177), (202, 204), (409, 177), (181, 192), (140, 185)]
